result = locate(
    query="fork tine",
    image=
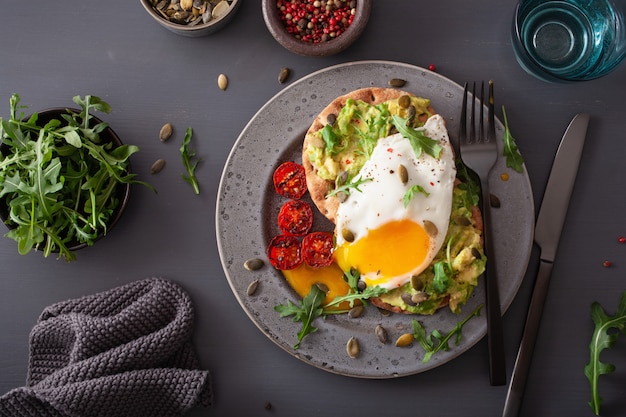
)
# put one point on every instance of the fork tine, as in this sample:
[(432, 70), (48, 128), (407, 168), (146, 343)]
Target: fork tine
[(481, 123), (491, 124), (472, 135), (463, 121)]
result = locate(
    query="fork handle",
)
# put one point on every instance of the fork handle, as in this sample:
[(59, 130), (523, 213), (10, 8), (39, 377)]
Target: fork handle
[(495, 335)]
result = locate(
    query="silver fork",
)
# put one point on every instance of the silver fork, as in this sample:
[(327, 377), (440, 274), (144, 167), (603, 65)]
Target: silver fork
[(479, 153)]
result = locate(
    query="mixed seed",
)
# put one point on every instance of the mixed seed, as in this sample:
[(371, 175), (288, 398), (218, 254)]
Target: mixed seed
[(191, 12)]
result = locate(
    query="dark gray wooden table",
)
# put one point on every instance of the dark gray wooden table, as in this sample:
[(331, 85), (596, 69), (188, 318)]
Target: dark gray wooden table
[(51, 51)]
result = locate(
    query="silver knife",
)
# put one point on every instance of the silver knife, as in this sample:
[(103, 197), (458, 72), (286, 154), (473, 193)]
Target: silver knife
[(547, 234)]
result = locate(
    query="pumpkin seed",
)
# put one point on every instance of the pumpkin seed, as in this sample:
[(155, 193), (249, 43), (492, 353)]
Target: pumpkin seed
[(186, 4), (404, 101), (253, 264), (420, 297), (430, 228), (355, 312), (384, 313), (410, 117), (341, 179), (165, 132), (416, 283), (283, 75), (381, 334), (222, 82), (397, 82), (352, 347), (404, 340), (494, 201), (157, 166), (403, 173), (252, 287), (347, 235), (322, 287), (407, 299)]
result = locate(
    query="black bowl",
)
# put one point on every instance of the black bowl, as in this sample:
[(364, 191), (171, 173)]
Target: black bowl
[(106, 136)]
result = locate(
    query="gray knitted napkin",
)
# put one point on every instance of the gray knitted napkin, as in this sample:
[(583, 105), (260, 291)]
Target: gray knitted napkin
[(122, 352)]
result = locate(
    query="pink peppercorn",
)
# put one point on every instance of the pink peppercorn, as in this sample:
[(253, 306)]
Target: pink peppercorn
[(316, 20)]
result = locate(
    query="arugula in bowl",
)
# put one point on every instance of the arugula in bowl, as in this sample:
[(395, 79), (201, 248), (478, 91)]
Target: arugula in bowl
[(64, 177)]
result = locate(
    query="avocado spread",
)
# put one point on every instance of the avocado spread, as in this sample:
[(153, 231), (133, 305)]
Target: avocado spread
[(345, 145), (454, 272)]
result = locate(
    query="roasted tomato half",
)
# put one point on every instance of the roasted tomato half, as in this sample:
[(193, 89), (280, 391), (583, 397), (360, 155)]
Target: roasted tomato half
[(317, 249), (295, 218), (290, 180), (284, 252)]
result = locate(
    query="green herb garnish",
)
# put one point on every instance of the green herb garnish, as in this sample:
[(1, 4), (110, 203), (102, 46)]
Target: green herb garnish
[(437, 341), (511, 152), (60, 180), (411, 192), (601, 340), (348, 186), (312, 308), (419, 141), (187, 155)]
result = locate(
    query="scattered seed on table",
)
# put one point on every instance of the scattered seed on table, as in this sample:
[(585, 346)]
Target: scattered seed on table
[(222, 82), (283, 75), (157, 166), (166, 132)]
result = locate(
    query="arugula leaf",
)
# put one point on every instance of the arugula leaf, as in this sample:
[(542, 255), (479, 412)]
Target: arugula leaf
[(59, 179), (511, 152), (349, 184), (187, 155), (410, 194), (437, 341), (601, 340), (419, 141), (353, 296), (310, 309)]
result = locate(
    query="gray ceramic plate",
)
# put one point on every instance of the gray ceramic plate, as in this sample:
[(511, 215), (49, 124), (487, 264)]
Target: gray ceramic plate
[(247, 207)]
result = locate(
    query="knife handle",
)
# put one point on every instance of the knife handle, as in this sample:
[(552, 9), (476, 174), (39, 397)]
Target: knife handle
[(527, 345)]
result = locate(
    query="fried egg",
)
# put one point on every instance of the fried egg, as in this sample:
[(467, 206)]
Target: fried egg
[(386, 241)]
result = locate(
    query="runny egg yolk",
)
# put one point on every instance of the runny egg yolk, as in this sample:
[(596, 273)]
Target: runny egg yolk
[(396, 248), (304, 276)]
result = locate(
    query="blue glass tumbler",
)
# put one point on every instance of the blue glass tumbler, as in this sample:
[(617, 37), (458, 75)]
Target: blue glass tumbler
[(569, 40)]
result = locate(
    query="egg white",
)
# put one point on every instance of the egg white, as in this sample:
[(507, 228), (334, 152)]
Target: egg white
[(381, 196)]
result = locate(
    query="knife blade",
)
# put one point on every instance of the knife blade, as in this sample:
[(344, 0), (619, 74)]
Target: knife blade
[(548, 230)]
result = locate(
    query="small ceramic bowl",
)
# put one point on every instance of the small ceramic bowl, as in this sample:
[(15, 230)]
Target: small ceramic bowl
[(221, 12), (271, 14), (122, 191)]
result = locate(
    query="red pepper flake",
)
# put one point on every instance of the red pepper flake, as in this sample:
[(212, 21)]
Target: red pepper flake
[(348, 162), (432, 184), (606, 264), (431, 67), (622, 239), (315, 21), (390, 150)]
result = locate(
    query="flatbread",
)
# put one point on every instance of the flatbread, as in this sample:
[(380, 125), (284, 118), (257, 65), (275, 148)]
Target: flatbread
[(319, 187)]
